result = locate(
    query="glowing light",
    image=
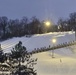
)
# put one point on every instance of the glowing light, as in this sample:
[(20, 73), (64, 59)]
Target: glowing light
[(54, 40), (47, 23)]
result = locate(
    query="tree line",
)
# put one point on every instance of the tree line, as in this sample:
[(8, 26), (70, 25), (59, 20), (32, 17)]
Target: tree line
[(14, 28), (68, 24), (17, 28)]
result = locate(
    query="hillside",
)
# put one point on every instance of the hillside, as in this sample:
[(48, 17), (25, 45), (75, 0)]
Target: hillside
[(65, 58)]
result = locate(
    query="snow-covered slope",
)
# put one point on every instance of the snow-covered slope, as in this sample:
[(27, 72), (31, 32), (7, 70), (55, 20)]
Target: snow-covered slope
[(60, 65), (65, 58), (38, 41)]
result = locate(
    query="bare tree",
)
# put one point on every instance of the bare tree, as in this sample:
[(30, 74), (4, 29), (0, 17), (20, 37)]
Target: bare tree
[(3, 24)]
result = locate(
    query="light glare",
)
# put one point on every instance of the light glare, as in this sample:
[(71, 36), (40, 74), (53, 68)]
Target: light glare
[(47, 23), (54, 40)]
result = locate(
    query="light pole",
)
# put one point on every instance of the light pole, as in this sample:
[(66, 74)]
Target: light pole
[(47, 24), (53, 41)]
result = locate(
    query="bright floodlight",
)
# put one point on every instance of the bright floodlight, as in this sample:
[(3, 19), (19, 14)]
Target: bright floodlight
[(47, 23), (54, 40)]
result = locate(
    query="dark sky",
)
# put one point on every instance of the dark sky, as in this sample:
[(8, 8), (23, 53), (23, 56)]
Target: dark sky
[(42, 9)]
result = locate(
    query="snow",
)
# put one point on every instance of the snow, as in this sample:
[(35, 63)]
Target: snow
[(65, 58), (52, 66)]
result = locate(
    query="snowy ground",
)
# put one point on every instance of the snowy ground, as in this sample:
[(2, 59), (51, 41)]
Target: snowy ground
[(64, 62)]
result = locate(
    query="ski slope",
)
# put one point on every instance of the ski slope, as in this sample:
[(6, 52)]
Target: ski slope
[(38, 41), (65, 58)]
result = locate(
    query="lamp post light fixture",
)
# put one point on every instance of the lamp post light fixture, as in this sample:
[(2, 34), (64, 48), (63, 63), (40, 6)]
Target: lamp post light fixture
[(53, 41), (47, 23)]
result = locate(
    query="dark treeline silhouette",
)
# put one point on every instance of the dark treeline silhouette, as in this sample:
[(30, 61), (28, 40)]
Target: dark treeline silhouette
[(67, 24), (17, 28)]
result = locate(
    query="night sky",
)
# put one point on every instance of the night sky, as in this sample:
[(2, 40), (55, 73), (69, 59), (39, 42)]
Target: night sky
[(42, 9)]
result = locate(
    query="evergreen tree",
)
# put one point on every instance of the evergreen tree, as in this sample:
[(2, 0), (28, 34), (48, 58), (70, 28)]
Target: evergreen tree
[(22, 59), (1, 55)]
